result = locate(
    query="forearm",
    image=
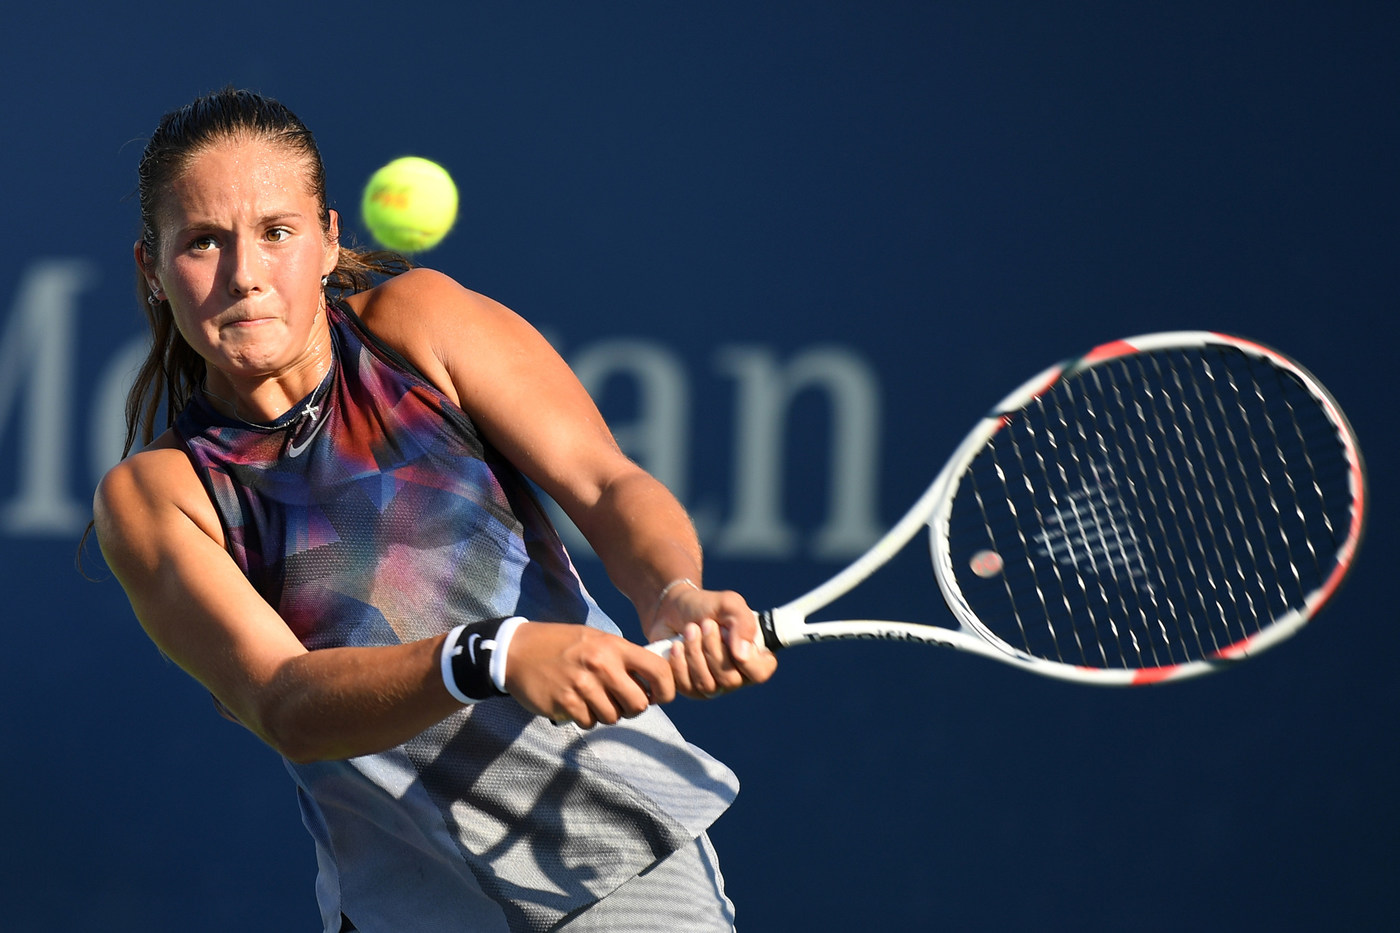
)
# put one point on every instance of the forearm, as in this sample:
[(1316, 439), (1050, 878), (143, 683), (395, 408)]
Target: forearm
[(342, 702), (652, 553), (644, 538)]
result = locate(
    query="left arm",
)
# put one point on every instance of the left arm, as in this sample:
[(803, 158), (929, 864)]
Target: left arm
[(650, 549), (525, 399)]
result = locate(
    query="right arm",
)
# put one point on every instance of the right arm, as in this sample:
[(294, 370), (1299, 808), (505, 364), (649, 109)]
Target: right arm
[(161, 536)]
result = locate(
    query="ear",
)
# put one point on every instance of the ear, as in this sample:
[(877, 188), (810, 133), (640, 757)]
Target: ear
[(146, 266), (332, 242)]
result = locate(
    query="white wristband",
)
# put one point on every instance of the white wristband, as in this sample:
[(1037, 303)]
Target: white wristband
[(445, 660), (498, 657)]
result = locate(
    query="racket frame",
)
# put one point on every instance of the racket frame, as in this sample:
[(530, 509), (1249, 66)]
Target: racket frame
[(788, 625)]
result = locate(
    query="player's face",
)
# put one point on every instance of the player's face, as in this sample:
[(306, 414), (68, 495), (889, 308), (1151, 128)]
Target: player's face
[(240, 259)]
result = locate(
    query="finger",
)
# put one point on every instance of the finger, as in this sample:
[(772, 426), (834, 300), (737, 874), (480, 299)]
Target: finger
[(599, 699), (631, 689), (744, 638), (572, 709), (697, 654), (653, 674), (759, 666), (680, 672), (755, 662), (722, 670), (679, 660)]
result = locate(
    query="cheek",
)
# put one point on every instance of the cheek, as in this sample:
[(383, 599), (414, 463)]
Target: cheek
[(188, 327), (189, 279), (188, 287), (307, 277), (302, 286)]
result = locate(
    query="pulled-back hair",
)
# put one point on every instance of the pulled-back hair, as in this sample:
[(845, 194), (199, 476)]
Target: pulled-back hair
[(172, 369)]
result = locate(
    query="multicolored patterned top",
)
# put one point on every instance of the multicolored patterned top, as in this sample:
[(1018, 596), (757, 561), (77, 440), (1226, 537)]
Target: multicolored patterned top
[(374, 513)]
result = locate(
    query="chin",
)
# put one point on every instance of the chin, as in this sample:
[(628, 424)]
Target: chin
[(248, 364)]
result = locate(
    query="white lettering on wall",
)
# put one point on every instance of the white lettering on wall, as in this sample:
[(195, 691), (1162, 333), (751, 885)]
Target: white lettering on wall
[(659, 435), (766, 393), (36, 382), (41, 393)]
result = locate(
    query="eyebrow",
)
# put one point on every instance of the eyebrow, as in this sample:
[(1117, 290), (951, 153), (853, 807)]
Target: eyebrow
[(266, 220), (280, 216)]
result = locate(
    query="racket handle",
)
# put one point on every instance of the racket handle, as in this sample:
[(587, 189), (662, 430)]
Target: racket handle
[(664, 646), (768, 637), (768, 631)]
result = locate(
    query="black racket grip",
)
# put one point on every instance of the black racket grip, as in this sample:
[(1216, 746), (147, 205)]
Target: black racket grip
[(770, 633)]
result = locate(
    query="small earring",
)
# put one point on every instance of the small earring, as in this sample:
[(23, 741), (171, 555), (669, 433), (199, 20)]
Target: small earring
[(324, 280), (153, 299)]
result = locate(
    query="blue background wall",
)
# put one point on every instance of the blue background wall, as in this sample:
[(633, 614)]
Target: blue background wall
[(951, 195)]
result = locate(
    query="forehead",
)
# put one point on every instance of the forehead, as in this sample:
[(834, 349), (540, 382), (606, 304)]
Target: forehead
[(246, 173)]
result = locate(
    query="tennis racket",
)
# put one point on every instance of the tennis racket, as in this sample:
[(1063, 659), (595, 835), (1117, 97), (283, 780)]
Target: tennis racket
[(1161, 507)]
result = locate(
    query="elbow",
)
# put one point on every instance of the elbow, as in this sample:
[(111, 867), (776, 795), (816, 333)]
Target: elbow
[(306, 758), (301, 747), (304, 735), (297, 751), (302, 740), (285, 739), (285, 727)]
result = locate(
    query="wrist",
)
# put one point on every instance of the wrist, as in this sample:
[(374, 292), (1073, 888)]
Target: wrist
[(473, 659), (668, 588)]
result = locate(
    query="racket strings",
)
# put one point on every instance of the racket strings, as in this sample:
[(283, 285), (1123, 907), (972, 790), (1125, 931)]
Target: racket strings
[(1288, 476), (1212, 591), (1233, 497), (1273, 598), (1088, 611), (1144, 510), (1123, 447), (1079, 525), (1023, 545), (1127, 551)]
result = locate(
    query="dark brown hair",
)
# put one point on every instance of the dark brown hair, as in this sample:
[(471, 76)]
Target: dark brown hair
[(172, 370)]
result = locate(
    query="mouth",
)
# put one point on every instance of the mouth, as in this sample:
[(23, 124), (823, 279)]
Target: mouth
[(240, 323)]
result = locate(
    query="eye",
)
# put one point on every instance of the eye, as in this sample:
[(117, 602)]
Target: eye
[(278, 234), (202, 244)]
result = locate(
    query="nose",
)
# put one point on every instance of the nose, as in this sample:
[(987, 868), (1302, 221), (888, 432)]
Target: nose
[(244, 267)]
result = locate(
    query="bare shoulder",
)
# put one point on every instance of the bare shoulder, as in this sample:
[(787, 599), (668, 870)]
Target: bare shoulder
[(440, 325), (143, 491), (420, 300)]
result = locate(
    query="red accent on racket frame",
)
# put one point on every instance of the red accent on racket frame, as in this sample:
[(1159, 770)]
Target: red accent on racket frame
[(1108, 351)]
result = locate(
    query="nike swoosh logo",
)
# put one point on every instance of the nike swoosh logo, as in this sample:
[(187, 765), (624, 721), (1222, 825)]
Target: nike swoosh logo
[(295, 449), (488, 643)]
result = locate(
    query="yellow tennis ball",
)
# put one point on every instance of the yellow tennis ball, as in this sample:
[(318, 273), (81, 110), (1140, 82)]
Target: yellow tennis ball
[(410, 204)]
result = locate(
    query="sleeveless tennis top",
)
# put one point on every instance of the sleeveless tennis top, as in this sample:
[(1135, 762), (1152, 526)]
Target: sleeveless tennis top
[(374, 513)]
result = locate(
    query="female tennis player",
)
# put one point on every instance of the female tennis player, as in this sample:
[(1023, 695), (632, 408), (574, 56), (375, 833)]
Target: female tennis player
[(335, 535)]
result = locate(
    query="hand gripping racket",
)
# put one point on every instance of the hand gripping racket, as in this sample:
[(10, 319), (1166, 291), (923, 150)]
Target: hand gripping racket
[(1158, 508)]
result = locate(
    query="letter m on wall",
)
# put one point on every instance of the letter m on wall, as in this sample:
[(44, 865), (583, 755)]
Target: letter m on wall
[(37, 348)]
